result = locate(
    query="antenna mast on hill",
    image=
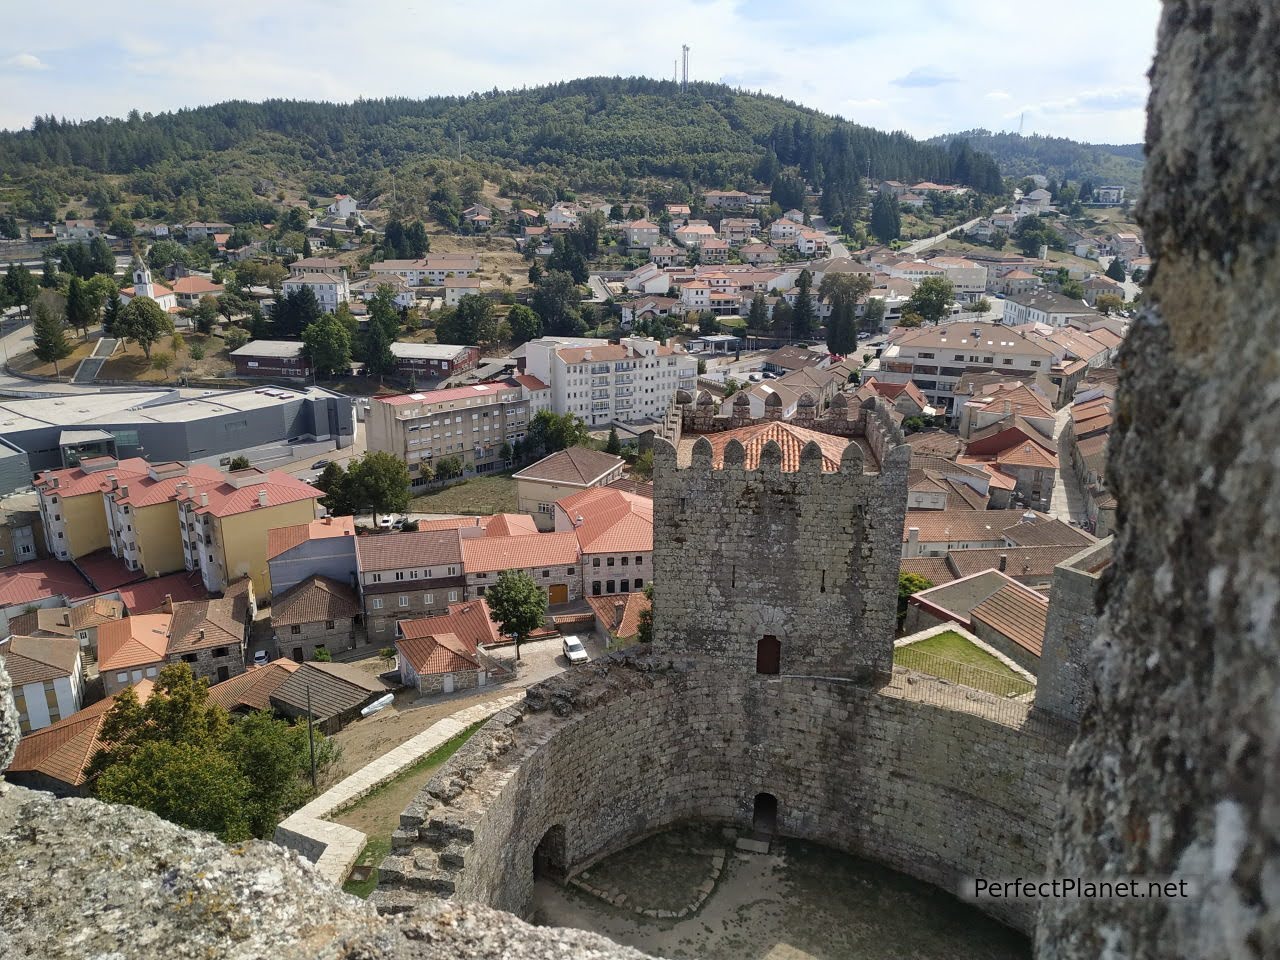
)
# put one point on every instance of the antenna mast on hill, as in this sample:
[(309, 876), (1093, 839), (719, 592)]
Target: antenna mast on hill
[(1021, 117), (675, 71), (684, 75)]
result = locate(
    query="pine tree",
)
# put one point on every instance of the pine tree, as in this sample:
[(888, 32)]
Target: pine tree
[(80, 310), (51, 344), (613, 445), (803, 315), (886, 220)]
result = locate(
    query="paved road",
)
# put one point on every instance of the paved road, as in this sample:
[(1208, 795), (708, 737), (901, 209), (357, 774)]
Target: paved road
[(927, 242), (1067, 502), (600, 292), (1131, 289)]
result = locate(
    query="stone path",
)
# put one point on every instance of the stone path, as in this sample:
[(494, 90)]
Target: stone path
[(334, 848), (1067, 502)]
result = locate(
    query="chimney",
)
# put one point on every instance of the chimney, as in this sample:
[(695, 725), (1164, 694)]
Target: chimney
[(167, 606), (1008, 408), (1004, 561), (124, 490), (111, 479), (204, 499), (56, 482), (328, 521), (619, 609), (913, 541), (202, 633)]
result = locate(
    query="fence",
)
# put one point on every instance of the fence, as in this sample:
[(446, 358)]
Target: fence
[(1003, 684)]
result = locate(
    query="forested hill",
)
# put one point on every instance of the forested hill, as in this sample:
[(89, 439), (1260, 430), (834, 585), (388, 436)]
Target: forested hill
[(607, 135), (1058, 157)]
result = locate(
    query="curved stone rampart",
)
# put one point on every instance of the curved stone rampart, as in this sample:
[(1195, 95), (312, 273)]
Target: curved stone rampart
[(912, 774)]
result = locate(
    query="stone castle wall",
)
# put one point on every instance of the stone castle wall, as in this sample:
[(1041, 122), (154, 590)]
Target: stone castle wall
[(1064, 683), (635, 742)]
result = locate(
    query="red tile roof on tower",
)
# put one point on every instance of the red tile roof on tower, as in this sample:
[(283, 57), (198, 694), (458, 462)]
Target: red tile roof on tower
[(790, 438), (40, 580), (610, 521), (62, 751), (282, 539), (495, 554)]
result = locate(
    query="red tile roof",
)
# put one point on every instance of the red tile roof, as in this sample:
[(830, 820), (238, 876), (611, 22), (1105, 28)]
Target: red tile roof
[(790, 438), (452, 394), (282, 539), (76, 481), (149, 490), (421, 548), (610, 521), (37, 659), (508, 525), (40, 580), (252, 689), (147, 595), (133, 641), (226, 499), (575, 466), (447, 643), (314, 600), (63, 750), (606, 609), (1016, 612), (495, 554), (106, 571)]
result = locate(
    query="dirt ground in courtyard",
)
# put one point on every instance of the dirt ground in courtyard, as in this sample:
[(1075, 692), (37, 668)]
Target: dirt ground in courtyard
[(799, 902)]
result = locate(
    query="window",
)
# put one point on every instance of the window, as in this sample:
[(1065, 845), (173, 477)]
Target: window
[(546, 573), (1035, 363), (377, 578), (427, 599), (768, 655), (329, 625), (377, 603), (925, 356), (625, 560), (189, 658), (1007, 363), (639, 584), (609, 562), (595, 588), (219, 651), (122, 678), (151, 671), (295, 630), (399, 574), (609, 586), (595, 561), (453, 596), (569, 571), (404, 601), (480, 591), (625, 586)]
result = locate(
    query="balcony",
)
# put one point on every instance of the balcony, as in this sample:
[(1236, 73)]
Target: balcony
[(599, 381), (599, 368), (599, 394), (624, 392), (623, 378)]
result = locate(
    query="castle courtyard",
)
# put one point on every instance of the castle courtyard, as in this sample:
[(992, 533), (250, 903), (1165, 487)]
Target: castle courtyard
[(800, 901)]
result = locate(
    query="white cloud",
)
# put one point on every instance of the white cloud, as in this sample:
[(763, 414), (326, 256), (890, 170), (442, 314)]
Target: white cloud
[(998, 95), (26, 61)]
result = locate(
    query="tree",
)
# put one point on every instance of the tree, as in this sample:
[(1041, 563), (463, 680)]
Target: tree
[(80, 309), (643, 467), (49, 274), (525, 325), (50, 336), (327, 344), (111, 309), (162, 360), (549, 432), (910, 319), (803, 314), (377, 482), (707, 323), (556, 300), (644, 624), (843, 291), (231, 304), (535, 271), (886, 219), (873, 314), (101, 259), (239, 462), (908, 585), (1073, 289), (613, 445), (143, 322), (294, 312), (1115, 270), (981, 305), (931, 299), (758, 315), (21, 286), (204, 315), (378, 358), (781, 318), (306, 246), (517, 605), (336, 499), (383, 311), (470, 322), (1109, 303)]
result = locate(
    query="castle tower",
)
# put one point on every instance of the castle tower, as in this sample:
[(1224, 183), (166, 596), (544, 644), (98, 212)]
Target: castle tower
[(776, 548)]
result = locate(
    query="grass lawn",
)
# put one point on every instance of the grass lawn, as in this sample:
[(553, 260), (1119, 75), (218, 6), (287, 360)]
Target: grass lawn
[(378, 813), (29, 363), (965, 664), (479, 496)]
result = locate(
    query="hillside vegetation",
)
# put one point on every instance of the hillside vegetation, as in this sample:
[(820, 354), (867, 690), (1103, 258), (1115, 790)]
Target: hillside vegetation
[(1058, 158), (642, 138)]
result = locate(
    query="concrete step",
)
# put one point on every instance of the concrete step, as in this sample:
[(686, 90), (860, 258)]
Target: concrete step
[(752, 845)]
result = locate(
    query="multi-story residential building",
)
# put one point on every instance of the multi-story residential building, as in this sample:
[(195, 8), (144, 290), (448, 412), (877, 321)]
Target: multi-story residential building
[(938, 356), (713, 250), (455, 288), (142, 521), (625, 382), (21, 536), (472, 423), (640, 233), (330, 289), (207, 635), (967, 277), (71, 507), (271, 358), (693, 234), (734, 199), (319, 265), (614, 530), (225, 525), (564, 473), (1044, 306), (1110, 195), (431, 270), (916, 270), (550, 558), (315, 614), (403, 576), (433, 361), (738, 230), (47, 677), (324, 547)]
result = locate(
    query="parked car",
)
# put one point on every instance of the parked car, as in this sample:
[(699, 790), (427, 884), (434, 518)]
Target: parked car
[(385, 521), (260, 657), (574, 651), (319, 464)]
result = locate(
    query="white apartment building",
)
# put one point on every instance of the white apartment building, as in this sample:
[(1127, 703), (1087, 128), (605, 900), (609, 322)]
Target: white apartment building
[(330, 289), (915, 270), (431, 270), (968, 278), (471, 423), (48, 678), (627, 381), (1044, 306), (640, 233)]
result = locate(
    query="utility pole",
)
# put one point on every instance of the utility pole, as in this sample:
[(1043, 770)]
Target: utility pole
[(684, 76), (311, 740)]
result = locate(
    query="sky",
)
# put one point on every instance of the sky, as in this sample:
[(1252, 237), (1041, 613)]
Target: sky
[(1076, 70)]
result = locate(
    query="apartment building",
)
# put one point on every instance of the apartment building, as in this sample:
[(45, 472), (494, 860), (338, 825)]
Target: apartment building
[(967, 277), (1044, 306), (433, 361), (937, 357), (628, 381), (428, 271), (142, 520), (471, 423), (47, 677), (225, 526), (70, 500), (403, 576), (330, 289), (738, 230)]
